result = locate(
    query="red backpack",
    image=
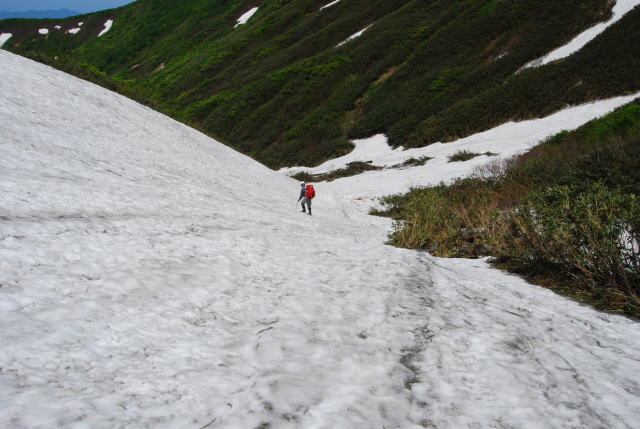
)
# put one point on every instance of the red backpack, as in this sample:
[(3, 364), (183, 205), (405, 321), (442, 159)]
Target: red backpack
[(310, 192)]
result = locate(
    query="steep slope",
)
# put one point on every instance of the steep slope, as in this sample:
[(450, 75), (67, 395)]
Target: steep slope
[(152, 277), (284, 88)]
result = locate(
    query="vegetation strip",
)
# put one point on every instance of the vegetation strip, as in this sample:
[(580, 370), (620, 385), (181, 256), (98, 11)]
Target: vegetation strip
[(566, 214)]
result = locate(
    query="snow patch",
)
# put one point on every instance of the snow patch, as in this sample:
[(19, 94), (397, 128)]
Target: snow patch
[(246, 16), (57, 27), (80, 24), (621, 8), (354, 35), (506, 140), (4, 37), (73, 30), (107, 27), (43, 31), (329, 4)]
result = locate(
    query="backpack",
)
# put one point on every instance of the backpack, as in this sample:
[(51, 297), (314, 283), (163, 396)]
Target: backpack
[(310, 192)]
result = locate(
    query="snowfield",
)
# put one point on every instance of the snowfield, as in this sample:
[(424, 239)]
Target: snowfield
[(43, 31), (620, 9), (73, 30), (151, 277)]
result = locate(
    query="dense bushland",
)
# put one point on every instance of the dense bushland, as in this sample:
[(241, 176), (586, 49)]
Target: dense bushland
[(280, 89), (567, 213)]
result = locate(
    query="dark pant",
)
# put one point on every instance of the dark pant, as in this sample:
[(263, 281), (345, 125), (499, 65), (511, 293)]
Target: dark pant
[(307, 201)]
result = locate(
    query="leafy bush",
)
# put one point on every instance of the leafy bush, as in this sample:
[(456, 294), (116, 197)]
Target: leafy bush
[(592, 237), (450, 220)]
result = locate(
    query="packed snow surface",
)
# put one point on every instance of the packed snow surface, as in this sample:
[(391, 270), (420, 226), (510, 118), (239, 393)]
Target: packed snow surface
[(74, 30), (246, 16), (107, 27), (329, 4), (4, 37), (502, 142), (621, 8), (354, 35), (151, 277), (43, 31)]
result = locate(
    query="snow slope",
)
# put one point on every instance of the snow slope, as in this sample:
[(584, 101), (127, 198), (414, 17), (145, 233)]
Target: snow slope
[(151, 277), (620, 9)]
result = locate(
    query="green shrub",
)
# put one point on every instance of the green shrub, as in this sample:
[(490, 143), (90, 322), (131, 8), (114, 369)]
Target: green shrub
[(451, 220), (591, 236), (352, 169), (303, 176), (462, 155)]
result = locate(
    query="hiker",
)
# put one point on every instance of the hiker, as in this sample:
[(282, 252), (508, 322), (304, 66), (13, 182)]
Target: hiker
[(306, 195)]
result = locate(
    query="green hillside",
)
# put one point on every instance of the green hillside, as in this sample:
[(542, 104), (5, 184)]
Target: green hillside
[(280, 89)]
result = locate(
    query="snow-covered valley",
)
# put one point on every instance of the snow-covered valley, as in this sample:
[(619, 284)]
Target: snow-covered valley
[(152, 277)]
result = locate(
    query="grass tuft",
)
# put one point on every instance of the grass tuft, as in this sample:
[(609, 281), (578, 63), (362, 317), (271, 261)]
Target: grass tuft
[(462, 155)]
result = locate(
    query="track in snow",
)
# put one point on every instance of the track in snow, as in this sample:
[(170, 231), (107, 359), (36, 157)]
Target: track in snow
[(152, 277)]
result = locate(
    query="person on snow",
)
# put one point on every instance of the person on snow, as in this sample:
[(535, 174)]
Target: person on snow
[(306, 195)]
